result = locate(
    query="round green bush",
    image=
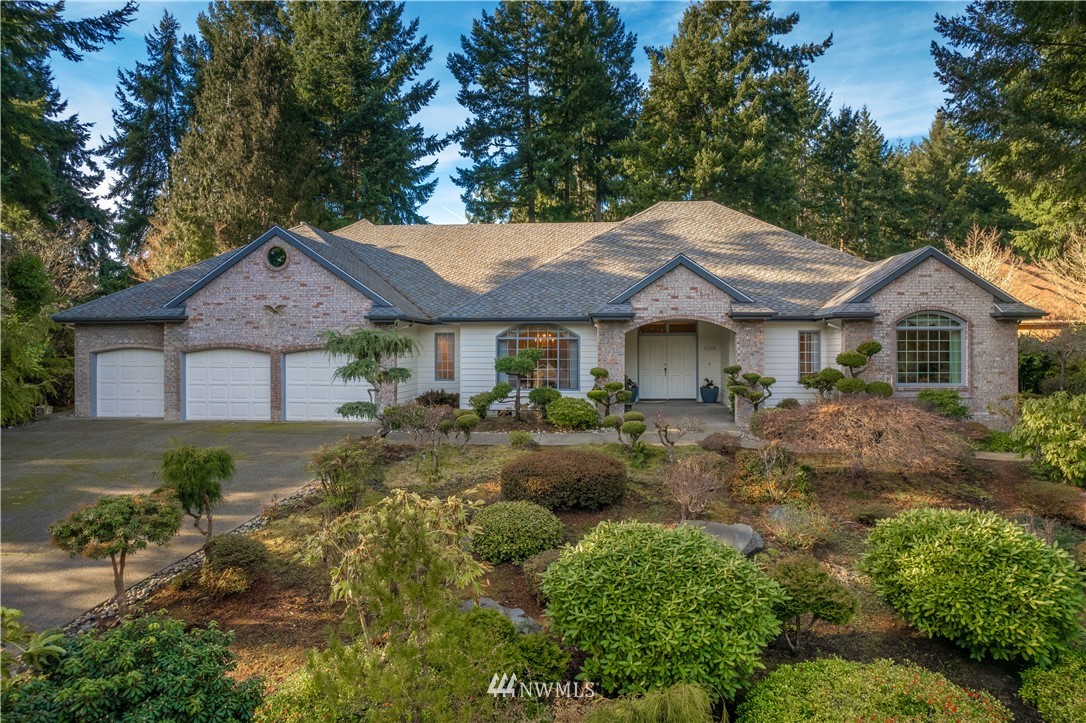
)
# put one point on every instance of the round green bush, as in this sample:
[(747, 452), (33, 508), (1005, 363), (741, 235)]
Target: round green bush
[(467, 421), (788, 403), (565, 479), (633, 417), (879, 389), (634, 429), (513, 531), (830, 690), (653, 606), (851, 359), (236, 551), (851, 385), (572, 413), (612, 421), (1059, 692), (978, 580), (540, 397)]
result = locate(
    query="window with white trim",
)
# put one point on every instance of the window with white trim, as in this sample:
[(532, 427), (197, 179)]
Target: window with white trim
[(561, 352), (444, 356), (929, 350), (810, 352)]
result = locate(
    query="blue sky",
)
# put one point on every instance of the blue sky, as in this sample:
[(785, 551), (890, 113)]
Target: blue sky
[(880, 58)]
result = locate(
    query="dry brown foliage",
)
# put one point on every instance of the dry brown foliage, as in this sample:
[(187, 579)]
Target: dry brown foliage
[(692, 481), (871, 433), (984, 254)]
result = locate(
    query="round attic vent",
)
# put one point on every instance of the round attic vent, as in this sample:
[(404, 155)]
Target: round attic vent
[(277, 257)]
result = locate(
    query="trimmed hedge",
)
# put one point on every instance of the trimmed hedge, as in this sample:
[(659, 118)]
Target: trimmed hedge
[(653, 606), (514, 531), (830, 690), (564, 479), (1059, 692), (978, 580), (238, 551), (572, 413)]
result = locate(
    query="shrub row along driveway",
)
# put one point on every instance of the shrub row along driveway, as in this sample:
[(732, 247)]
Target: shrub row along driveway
[(50, 468)]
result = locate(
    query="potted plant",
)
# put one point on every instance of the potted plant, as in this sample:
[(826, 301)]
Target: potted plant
[(710, 392), (631, 387)]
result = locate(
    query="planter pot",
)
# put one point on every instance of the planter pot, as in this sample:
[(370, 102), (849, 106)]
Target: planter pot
[(633, 394), (709, 395)]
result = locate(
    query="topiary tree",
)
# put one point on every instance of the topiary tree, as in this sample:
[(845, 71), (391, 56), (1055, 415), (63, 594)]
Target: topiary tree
[(856, 360), (605, 393), (372, 352), (638, 623), (116, 526), (465, 424), (812, 595), (521, 365), (979, 580), (752, 387), (540, 397), (148, 668), (196, 475), (822, 382)]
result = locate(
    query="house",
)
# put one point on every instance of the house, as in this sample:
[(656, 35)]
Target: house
[(668, 297)]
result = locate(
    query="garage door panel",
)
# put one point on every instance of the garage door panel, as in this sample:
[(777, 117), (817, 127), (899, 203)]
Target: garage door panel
[(128, 383), (228, 384), (310, 391)]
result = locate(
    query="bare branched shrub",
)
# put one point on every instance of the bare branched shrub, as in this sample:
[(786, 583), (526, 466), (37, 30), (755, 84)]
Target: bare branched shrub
[(871, 433), (1067, 273), (692, 481), (984, 253), (672, 429)]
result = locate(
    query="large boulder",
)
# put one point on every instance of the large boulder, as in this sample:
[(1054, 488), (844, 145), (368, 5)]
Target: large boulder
[(740, 537)]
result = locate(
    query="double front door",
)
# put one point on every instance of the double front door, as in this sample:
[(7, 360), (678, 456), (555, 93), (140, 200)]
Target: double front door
[(668, 366)]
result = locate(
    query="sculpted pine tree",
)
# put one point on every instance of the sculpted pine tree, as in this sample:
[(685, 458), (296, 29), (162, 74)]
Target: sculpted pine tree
[(196, 476), (356, 66), (153, 110), (373, 354), (248, 160), (728, 112)]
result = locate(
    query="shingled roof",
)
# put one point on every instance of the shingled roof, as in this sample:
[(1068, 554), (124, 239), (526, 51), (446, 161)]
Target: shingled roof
[(558, 271)]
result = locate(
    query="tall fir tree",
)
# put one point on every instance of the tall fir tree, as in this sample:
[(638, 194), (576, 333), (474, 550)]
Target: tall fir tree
[(1015, 73), (154, 105), (728, 112), (248, 160), (552, 96), (356, 66), (948, 192)]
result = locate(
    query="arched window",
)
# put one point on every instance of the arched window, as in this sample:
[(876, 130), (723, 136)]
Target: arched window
[(558, 366), (929, 349)]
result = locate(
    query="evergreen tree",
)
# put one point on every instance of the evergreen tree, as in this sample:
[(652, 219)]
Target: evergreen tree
[(153, 110), (1016, 76), (356, 64), (248, 160), (948, 193), (728, 112), (552, 95), (880, 200)]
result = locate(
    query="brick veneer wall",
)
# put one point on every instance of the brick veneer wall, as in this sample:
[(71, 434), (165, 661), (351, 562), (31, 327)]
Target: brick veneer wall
[(94, 338), (990, 346)]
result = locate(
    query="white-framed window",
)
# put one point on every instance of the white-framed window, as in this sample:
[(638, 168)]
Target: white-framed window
[(558, 367), (810, 352), (445, 356), (929, 350)]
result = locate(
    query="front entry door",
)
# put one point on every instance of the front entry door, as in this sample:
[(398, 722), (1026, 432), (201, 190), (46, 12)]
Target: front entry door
[(667, 366)]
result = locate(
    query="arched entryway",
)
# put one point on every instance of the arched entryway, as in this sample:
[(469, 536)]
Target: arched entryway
[(669, 359)]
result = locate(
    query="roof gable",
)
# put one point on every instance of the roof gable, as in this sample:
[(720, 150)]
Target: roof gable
[(684, 261), (910, 261)]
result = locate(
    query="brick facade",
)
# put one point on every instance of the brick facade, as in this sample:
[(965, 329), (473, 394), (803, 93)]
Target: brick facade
[(94, 338)]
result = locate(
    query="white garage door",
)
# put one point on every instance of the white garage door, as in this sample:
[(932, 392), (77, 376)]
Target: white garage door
[(128, 383), (227, 384), (310, 391)]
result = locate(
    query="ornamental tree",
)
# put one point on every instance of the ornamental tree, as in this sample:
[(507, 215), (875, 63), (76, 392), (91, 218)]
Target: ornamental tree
[(196, 475), (856, 360), (373, 352), (812, 595), (605, 393), (752, 387), (521, 365), (115, 526)]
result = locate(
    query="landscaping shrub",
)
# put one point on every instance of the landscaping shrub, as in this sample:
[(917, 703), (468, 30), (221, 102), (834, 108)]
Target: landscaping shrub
[(720, 443), (514, 531), (220, 583), (346, 470), (830, 690), (870, 432), (480, 403), (519, 439), (534, 568), (564, 479), (540, 658), (465, 423), (148, 668), (633, 417), (239, 551), (787, 403), (653, 606), (879, 389), (571, 413), (1051, 499), (850, 385), (1054, 430), (540, 397), (799, 527), (439, 398), (681, 703), (769, 474), (978, 580), (996, 441), (691, 481), (812, 595), (1058, 692), (1078, 552), (944, 402)]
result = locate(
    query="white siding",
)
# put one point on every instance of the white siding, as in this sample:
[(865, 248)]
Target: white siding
[(478, 345), (715, 351), (424, 369), (782, 356)]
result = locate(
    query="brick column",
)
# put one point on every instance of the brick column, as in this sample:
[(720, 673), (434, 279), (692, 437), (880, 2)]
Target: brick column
[(171, 373), (611, 348), (749, 354)]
